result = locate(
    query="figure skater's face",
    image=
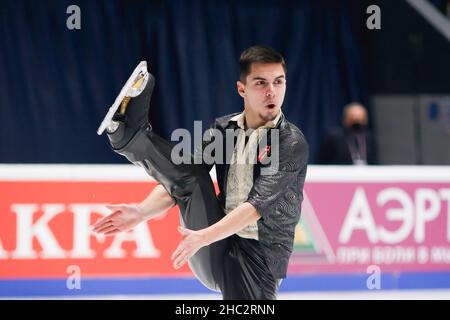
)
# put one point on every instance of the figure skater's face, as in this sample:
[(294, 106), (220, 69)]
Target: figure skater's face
[(263, 93)]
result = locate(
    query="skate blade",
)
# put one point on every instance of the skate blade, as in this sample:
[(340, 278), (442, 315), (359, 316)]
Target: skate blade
[(127, 91)]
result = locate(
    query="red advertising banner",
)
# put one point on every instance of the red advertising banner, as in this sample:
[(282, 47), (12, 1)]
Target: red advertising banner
[(46, 226)]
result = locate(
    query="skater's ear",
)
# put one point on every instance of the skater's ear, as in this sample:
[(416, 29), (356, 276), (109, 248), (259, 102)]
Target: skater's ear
[(240, 88)]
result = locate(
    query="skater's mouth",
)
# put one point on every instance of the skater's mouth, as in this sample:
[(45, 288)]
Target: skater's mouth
[(271, 106)]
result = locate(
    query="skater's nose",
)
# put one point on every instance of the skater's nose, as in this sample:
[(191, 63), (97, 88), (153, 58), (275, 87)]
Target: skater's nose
[(270, 93)]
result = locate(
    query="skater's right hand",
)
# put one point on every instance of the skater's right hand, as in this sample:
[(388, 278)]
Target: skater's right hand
[(124, 217)]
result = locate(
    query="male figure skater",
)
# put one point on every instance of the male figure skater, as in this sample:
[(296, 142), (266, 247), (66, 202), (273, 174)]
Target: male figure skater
[(240, 241)]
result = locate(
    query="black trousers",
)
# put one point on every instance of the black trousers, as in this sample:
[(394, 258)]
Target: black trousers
[(235, 266)]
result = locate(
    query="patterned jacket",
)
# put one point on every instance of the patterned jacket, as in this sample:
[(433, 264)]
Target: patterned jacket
[(276, 196)]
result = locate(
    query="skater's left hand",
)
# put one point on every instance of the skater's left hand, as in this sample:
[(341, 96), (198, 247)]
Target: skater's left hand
[(191, 243)]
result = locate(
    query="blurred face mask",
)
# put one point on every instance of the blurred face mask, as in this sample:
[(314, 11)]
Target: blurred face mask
[(357, 127)]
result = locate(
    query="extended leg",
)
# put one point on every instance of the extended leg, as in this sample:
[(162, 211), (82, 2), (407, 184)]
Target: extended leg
[(193, 191), (189, 185)]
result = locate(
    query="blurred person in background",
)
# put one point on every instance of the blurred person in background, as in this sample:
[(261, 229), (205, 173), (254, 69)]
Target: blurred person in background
[(352, 144)]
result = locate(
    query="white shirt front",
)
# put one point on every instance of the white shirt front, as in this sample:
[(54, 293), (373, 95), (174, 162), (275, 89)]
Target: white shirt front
[(240, 173)]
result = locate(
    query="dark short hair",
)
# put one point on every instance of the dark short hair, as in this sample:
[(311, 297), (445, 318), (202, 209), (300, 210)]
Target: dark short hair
[(258, 54)]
